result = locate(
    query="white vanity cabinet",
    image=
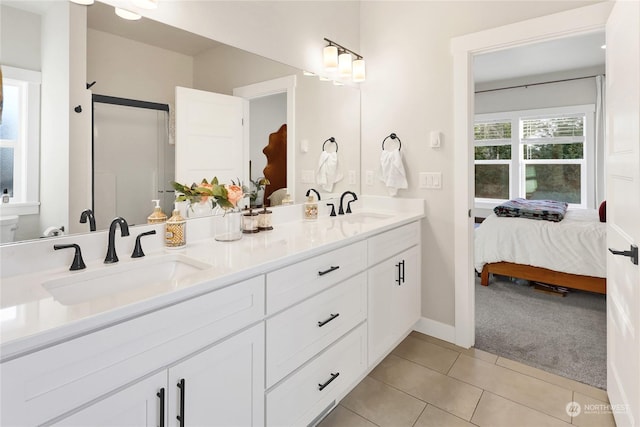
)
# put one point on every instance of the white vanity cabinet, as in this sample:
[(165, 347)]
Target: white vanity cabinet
[(394, 288), (62, 379), (220, 386)]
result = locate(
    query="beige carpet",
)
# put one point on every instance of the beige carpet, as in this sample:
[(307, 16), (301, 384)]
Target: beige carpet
[(562, 335)]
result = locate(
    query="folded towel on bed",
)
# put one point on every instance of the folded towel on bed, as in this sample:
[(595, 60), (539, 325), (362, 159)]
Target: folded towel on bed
[(549, 210)]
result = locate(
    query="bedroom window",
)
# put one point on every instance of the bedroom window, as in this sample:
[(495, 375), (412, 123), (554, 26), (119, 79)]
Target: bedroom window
[(534, 154), (492, 159), (20, 139)]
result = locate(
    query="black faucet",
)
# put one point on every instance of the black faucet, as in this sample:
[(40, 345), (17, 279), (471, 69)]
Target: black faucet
[(111, 249), (78, 263), (137, 250), (88, 214), (341, 210), (315, 191)]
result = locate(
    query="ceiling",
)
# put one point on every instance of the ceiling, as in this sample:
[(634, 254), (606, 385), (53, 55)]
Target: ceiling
[(565, 54), (102, 17)]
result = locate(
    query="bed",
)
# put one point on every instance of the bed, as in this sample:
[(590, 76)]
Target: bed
[(570, 253)]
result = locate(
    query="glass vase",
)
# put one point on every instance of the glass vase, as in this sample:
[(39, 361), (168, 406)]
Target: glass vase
[(200, 208), (228, 226)]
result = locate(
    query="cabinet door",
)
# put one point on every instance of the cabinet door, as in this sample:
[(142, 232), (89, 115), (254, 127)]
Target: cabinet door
[(141, 404), (222, 385), (394, 301)]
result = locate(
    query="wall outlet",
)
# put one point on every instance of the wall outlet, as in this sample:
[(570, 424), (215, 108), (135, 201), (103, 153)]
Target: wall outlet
[(307, 177), (431, 180), (352, 177), (369, 178)]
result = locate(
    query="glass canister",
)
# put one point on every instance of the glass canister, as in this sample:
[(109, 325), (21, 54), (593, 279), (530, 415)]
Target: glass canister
[(250, 222)]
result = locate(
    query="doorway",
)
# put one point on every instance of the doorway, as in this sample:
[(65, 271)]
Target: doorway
[(572, 22)]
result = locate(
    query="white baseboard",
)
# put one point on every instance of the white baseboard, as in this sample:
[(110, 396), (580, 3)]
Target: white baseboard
[(436, 329)]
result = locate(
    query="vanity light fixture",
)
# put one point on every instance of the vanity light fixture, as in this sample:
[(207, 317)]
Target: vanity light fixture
[(339, 58), (127, 14)]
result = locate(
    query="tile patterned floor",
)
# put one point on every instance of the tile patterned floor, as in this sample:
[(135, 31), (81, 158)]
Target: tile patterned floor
[(426, 382)]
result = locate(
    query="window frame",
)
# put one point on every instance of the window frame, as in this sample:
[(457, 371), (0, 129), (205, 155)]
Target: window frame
[(517, 178), (25, 200)]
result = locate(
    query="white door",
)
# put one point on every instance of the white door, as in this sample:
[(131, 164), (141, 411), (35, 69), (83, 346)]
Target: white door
[(222, 386), (209, 137), (623, 211), (138, 405)]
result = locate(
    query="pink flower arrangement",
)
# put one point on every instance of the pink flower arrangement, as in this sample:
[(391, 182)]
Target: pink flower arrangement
[(226, 196)]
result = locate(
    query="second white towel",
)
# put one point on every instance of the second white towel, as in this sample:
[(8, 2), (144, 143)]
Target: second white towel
[(392, 171), (328, 172)]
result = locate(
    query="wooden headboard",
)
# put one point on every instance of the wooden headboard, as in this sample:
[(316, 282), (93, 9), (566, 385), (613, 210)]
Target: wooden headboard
[(276, 169)]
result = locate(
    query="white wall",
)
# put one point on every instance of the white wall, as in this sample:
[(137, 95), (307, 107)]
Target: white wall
[(224, 68), (130, 69), (19, 38), (409, 91), (324, 110), (290, 32)]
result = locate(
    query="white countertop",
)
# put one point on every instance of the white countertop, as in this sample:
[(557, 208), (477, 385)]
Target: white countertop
[(32, 319)]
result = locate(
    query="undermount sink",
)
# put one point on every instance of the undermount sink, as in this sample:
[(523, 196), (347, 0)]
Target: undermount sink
[(131, 280), (364, 217)]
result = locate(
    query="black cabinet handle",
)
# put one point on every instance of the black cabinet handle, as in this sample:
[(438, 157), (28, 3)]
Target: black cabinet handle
[(324, 322), (333, 377), (398, 280), (160, 395), (181, 386), (333, 268), (402, 269)]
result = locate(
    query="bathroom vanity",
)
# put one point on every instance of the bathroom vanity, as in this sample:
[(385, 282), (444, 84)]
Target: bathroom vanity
[(273, 329)]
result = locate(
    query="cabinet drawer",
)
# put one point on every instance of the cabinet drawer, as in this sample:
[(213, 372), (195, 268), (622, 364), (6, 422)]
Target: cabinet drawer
[(389, 243), (299, 333), (50, 382), (294, 283), (309, 391)]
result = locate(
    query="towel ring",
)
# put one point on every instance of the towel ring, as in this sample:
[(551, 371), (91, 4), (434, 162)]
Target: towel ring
[(392, 136), (332, 139)]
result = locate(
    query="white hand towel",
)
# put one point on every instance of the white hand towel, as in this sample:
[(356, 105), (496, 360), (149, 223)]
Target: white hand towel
[(392, 171), (328, 173)]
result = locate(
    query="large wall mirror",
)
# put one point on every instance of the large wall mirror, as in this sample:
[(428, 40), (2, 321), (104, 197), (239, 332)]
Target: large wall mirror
[(144, 61)]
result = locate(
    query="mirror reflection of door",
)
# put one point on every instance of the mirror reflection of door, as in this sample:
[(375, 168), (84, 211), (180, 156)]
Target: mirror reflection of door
[(132, 161), (267, 115)]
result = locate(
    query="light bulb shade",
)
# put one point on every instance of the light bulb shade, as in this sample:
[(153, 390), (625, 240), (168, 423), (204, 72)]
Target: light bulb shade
[(82, 2), (126, 14), (146, 4), (359, 74), (344, 64), (330, 57)]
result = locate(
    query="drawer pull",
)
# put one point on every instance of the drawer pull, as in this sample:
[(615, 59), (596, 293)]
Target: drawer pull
[(160, 395), (324, 322), (333, 377), (181, 386), (333, 268)]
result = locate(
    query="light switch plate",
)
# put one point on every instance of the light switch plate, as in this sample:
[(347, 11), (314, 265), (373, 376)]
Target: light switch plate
[(352, 177), (431, 180), (369, 177), (435, 138)]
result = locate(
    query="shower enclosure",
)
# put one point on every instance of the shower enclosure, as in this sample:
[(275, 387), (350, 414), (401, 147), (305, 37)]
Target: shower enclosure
[(133, 159)]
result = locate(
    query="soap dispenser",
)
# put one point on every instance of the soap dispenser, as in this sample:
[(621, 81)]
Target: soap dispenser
[(157, 216), (311, 208), (175, 231)]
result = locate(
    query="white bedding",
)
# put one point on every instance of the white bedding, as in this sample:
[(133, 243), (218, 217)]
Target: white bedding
[(575, 245)]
